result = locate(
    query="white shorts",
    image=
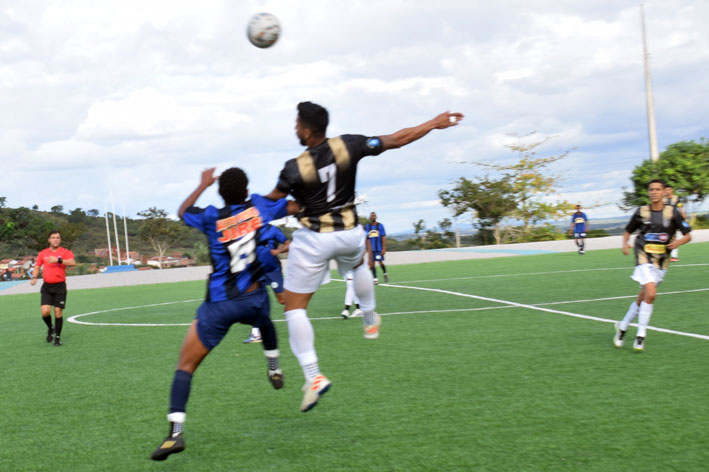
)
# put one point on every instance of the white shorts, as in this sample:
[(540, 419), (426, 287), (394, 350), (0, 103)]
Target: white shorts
[(310, 253), (646, 273)]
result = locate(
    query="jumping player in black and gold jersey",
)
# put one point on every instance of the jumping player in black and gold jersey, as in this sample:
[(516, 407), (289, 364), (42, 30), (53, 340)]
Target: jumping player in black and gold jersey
[(322, 180), (657, 223), (675, 201)]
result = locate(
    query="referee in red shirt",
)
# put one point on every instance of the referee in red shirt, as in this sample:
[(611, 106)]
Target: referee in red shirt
[(54, 259)]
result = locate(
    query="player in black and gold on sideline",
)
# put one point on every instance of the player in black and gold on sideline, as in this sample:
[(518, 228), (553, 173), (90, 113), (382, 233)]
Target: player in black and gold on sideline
[(657, 223), (322, 180)]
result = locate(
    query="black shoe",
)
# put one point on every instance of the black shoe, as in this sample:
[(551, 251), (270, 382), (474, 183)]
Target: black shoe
[(276, 378), (171, 445), (56, 341), (50, 335)]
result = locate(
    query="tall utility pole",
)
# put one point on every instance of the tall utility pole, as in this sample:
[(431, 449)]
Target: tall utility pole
[(654, 155)]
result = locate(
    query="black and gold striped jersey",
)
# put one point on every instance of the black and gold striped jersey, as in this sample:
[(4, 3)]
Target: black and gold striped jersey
[(322, 180), (656, 229)]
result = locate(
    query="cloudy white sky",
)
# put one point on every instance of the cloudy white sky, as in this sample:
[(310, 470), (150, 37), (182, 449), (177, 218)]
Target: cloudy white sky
[(135, 98)]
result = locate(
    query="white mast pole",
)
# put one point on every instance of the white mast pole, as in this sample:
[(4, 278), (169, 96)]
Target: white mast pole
[(654, 154), (108, 236), (125, 229), (115, 229)]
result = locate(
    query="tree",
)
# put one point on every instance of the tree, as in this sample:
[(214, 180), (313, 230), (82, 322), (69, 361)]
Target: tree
[(70, 233), (160, 231), (57, 209), (92, 212), (153, 212), (35, 207), (489, 201), (684, 165), (436, 239), (77, 216), (3, 202), (419, 226), (530, 180)]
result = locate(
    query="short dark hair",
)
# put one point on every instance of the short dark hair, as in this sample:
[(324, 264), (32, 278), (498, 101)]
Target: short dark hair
[(233, 185), (54, 231), (657, 181), (313, 117)]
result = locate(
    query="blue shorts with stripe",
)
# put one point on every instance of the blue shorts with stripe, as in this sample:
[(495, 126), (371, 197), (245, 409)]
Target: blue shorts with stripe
[(215, 318), (378, 256)]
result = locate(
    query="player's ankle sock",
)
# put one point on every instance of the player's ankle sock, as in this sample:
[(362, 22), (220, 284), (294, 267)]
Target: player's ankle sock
[(374, 273), (644, 314), (311, 371), (180, 391), (384, 269), (58, 322), (302, 340), (357, 305), (629, 316), (177, 422), (48, 321), (272, 358)]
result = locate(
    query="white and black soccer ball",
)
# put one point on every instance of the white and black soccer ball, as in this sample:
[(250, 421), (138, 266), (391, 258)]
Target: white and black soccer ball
[(263, 30)]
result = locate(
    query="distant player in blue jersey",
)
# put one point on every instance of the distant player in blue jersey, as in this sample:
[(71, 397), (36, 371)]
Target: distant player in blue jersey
[(579, 228), (275, 242), (234, 294), (376, 246)]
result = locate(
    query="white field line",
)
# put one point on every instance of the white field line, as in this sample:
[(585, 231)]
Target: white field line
[(503, 304), (628, 268), (548, 310)]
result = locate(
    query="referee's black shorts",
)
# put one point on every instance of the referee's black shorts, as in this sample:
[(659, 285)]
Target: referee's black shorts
[(54, 294)]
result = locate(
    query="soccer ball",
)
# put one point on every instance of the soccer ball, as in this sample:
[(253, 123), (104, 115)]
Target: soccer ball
[(263, 30)]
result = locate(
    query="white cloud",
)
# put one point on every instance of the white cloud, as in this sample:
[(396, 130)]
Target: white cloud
[(137, 97)]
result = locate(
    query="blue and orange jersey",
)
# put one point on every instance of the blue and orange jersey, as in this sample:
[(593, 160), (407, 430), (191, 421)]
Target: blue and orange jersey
[(233, 233)]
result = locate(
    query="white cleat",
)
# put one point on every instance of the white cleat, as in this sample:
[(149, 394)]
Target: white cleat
[(372, 331), (618, 338), (639, 344), (376, 281), (345, 314), (357, 313), (313, 391)]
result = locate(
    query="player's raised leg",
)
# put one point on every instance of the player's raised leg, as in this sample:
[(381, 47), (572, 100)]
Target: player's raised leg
[(302, 342)]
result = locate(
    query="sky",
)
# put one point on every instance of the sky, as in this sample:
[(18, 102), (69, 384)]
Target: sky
[(128, 101)]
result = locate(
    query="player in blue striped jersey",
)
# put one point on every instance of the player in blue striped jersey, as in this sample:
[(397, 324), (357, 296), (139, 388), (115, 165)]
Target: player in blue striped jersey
[(234, 294), (376, 246), (275, 242), (579, 228)]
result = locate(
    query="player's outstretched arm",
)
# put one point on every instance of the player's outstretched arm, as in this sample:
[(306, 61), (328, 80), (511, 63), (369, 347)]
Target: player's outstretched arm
[(207, 179), (409, 135)]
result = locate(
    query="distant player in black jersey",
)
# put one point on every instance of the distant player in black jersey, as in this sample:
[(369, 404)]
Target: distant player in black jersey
[(657, 223), (322, 180), (675, 201)]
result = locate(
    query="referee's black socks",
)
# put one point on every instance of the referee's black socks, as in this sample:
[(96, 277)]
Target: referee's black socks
[(48, 321), (58, 325)]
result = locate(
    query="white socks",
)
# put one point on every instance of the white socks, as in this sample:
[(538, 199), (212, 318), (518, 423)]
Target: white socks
[(629, 316), (302, 341), (644, 315), (364, 287)]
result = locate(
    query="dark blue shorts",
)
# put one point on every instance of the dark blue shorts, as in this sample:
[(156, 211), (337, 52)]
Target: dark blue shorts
[(378, 256), (215, 318), (275, 280), (579, 235)]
